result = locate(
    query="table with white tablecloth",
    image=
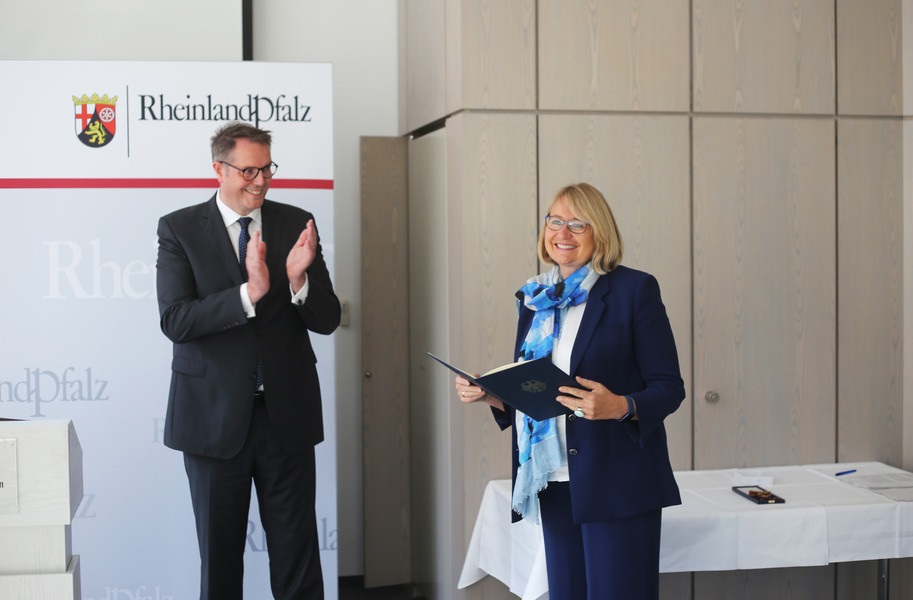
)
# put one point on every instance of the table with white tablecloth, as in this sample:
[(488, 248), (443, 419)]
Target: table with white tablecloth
[(862, 515)]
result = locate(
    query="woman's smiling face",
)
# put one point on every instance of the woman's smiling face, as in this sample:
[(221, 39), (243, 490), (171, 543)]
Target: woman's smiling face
[(570, 251)]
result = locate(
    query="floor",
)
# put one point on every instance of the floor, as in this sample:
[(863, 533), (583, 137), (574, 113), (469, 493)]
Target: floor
[(352, 588)]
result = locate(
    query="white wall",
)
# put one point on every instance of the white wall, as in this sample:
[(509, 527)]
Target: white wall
[(135, 30), (359, 37)]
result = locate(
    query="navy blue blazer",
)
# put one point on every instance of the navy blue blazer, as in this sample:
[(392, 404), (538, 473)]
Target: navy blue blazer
[(216, 347), (625, 342)]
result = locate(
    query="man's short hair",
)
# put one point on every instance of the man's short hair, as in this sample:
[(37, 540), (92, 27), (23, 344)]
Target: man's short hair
[(223, 142)]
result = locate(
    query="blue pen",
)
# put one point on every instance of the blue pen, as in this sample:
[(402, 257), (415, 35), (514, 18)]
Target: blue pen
[(845, 472)]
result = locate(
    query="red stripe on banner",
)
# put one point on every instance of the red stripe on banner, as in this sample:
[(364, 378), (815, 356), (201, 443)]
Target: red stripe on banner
[(298, 184)]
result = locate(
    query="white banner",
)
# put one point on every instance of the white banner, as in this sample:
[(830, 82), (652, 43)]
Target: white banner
[(93, 157)]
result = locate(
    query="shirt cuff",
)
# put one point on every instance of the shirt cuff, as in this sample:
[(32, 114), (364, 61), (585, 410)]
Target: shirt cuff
[(248, 306), (302, 294)]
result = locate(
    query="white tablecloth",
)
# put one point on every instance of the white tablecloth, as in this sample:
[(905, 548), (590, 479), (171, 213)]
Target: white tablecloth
[(825, 519)]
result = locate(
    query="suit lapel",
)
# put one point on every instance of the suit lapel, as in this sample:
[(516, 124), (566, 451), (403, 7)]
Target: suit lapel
[(595, 308), (214, 230)]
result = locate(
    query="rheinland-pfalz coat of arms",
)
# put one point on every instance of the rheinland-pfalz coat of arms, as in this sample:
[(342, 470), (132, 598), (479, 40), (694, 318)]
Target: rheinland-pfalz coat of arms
[(96, 119)]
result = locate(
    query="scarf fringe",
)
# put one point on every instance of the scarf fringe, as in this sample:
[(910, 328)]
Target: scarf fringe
[(548, 295), (532, 478)]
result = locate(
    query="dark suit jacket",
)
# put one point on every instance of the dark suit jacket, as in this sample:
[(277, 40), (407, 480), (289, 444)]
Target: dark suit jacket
[(216, 346), (626, 343)]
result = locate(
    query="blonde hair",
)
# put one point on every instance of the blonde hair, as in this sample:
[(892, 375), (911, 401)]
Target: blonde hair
[(588, 203)]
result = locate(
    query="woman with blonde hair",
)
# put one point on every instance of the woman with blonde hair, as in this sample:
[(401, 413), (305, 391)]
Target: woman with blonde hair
[(599, 477)]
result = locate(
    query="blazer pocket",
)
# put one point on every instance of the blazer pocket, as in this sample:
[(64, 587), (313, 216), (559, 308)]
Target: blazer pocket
[(625, 438), (188, 366)]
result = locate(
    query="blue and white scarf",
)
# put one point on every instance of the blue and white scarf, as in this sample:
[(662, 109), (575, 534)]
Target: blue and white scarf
[(540, 451)]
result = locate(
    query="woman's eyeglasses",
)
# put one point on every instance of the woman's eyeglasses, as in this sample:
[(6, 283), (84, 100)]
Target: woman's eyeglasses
[(574, 225)]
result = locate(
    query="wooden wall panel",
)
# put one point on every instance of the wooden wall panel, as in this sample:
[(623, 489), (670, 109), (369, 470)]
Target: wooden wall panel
[(642, 165), (870, 276), (491, 54), (775, 56), (903, 570), (385, 359), (764, 291), (614, 55), (491, 233), (908, 299), (870, 49), (434, 422), (870, 324), (764, 312), (808, 583), (467, 54), (424, 61), (473, 233), (760, 202)]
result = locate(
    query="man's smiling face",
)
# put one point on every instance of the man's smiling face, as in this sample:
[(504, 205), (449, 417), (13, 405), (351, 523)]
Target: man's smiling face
[(240, 195)]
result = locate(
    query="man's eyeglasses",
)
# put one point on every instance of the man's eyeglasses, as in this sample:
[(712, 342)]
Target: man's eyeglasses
[(250, 173), (574, 225)]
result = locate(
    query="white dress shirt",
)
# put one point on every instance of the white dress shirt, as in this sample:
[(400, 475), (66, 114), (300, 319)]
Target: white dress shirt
[(230, 219)]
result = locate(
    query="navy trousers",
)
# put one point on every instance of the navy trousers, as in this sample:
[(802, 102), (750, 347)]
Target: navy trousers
[(286, 493), (607, 560)]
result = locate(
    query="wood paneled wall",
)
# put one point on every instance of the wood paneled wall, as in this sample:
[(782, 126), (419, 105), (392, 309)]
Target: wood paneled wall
[(491, 55), (385, 353), (870, 288), (775, 56), (435, 423), (757, 158), (630, 56), (493, 162), (872, 41), (641, 164), (764, 291)]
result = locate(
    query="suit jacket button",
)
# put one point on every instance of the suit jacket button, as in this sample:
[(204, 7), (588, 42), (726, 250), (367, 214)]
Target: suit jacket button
[(572, 451)]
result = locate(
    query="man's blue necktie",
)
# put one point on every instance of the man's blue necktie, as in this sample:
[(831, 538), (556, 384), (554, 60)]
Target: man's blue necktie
[(242, 258), (242, 244)]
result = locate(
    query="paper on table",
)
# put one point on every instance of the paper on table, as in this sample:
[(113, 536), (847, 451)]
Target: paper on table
[(748, 477), (895, 485)]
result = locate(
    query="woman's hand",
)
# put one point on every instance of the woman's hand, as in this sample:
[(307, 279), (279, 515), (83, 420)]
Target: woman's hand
[(594, 400), (470, 393)]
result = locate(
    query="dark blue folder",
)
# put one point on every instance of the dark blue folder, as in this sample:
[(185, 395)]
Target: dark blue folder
[(530, 387)]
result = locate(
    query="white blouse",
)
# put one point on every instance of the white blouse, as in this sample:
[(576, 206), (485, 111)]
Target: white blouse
[(561, 358)]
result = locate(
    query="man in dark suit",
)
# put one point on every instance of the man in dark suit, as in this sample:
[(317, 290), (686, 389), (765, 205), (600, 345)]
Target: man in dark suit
[(241, 280)]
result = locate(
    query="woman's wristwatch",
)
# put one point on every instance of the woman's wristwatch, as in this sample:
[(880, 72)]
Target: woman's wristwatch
[(632, 410)]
